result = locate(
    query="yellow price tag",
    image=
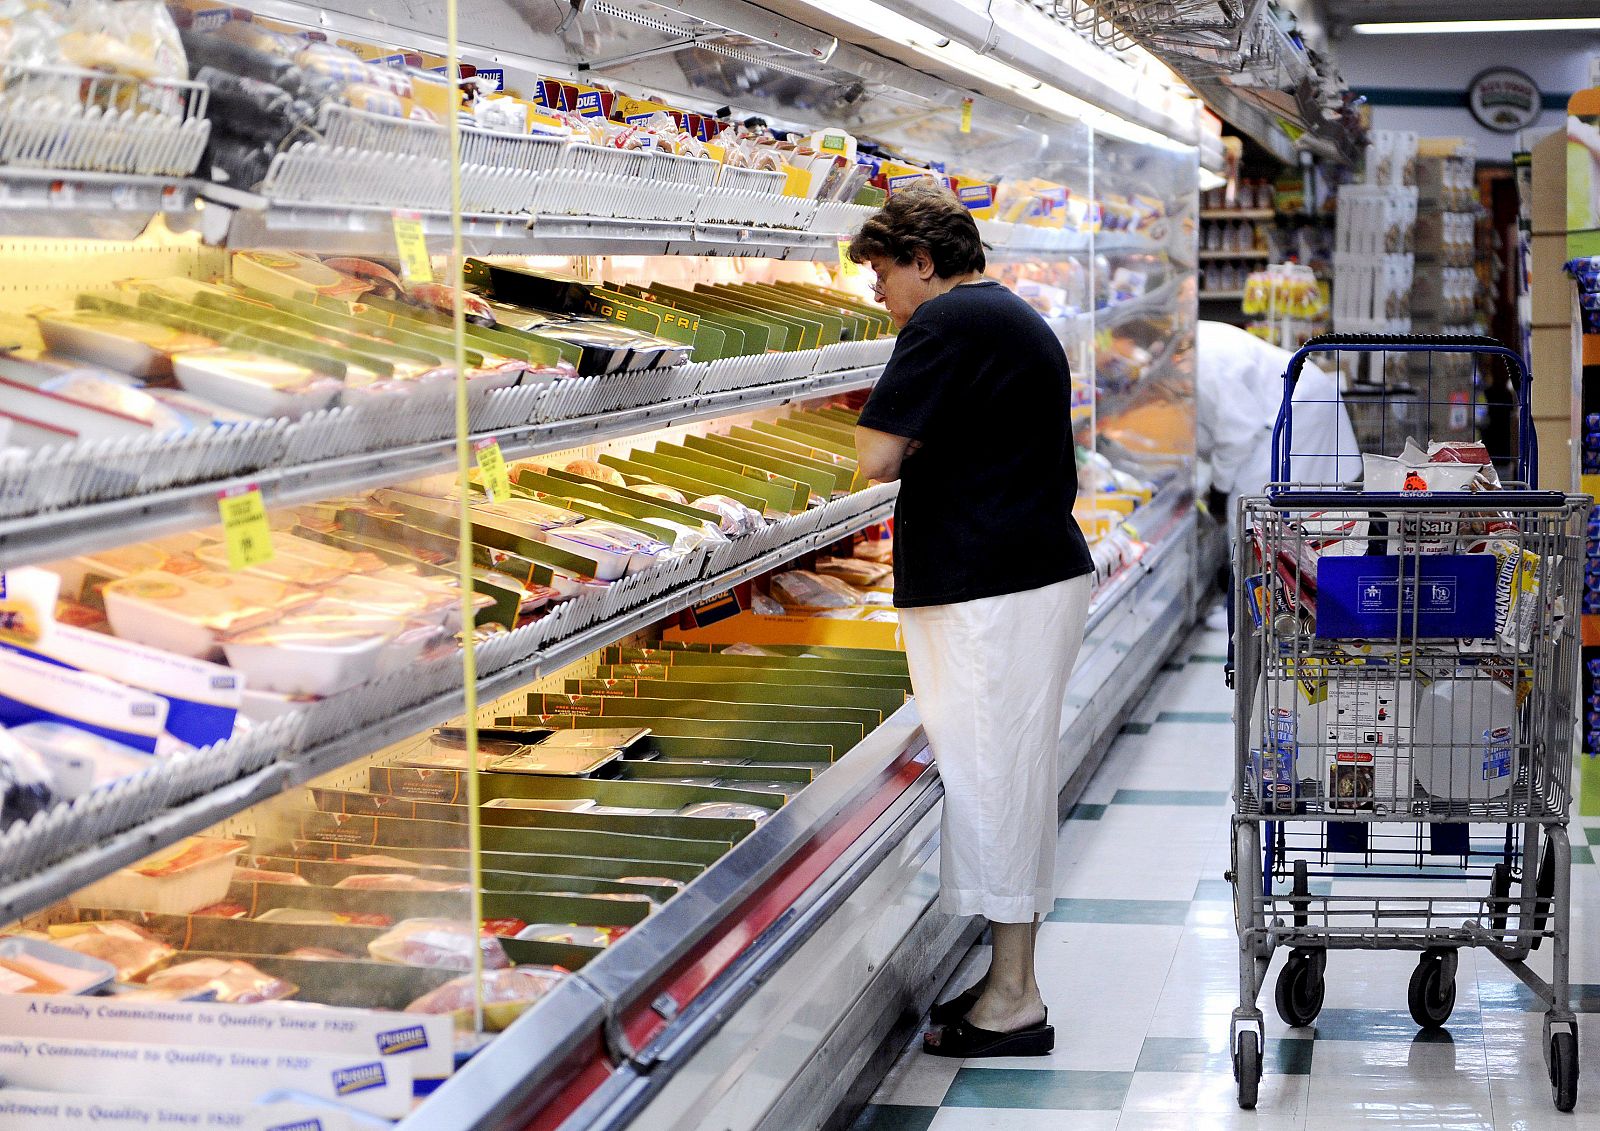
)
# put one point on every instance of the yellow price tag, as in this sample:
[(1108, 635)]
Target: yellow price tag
[(412, 245), (849, 269), (496, 479), (244, 527), (966, 115)]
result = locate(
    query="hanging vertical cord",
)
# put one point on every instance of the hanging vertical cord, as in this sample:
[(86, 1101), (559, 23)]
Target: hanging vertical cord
[(469, 658)]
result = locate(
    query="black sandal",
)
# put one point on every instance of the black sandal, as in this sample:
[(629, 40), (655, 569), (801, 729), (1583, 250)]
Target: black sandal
[(968, 1042), (949, 1012)]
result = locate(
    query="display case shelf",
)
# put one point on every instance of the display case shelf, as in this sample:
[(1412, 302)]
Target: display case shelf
[(74, 529), (46, 859), (65, 204)]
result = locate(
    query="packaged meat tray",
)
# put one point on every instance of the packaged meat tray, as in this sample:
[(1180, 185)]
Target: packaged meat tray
[(444, 944), (179, 880), (230, 981), (131, 951), (29, 966), (506, 994)]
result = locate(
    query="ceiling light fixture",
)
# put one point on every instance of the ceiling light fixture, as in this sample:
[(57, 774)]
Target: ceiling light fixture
[(1461, 27)]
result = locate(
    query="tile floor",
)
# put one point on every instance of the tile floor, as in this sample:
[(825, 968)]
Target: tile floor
[(1138, 962)]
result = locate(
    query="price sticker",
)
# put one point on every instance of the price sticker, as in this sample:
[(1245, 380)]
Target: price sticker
[(412, 245), (496, 480), (244, 527), (849, 269), (966, 115)]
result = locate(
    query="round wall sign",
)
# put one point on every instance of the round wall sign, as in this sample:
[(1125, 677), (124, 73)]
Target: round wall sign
[(1504, 99)]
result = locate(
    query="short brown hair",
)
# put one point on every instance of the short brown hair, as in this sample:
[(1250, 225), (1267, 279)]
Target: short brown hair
[(927, 217)]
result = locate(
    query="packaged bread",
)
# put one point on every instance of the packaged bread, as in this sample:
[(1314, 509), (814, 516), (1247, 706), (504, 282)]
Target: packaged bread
[(599, 472), (854, 571)]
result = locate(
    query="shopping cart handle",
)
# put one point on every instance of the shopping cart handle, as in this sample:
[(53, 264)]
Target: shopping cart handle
[(1473, 501)]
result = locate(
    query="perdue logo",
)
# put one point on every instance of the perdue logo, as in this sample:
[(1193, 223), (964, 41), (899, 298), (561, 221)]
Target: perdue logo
[(358, 1079), (302, 1125), (402, 1040)]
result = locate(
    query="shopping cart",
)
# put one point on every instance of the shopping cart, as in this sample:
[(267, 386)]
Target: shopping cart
[(1406, 696)]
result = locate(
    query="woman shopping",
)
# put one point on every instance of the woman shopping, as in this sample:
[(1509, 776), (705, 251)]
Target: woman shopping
[(973, 416)]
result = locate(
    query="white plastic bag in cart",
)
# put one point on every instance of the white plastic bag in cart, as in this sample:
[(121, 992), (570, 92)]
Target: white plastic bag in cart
[(1464, 738)]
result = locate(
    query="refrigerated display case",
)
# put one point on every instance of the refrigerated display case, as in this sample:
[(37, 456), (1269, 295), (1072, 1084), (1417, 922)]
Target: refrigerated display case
[(444, 711)]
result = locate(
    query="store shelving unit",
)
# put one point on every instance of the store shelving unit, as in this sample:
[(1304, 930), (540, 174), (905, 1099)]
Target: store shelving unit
[(846, 862)]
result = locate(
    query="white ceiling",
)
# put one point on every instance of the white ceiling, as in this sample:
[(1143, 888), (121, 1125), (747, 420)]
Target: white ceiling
[(1342, 13)]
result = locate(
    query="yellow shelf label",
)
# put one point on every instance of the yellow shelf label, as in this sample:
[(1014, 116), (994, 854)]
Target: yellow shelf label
[(849, 269), (966, 115), (412, 245), (492, 462), (244, 527)]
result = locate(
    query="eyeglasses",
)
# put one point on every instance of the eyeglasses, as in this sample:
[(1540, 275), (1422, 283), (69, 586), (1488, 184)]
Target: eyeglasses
[(877, 288)]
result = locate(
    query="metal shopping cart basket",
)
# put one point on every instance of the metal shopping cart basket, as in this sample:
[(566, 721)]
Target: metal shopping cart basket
[(1406, 698)]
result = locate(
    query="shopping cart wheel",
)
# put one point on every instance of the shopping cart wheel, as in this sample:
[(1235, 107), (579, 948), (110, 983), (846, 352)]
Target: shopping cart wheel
[(1247, 1069), (1301, 988), (1499, 897), (1432, 995), (1563, 1070)]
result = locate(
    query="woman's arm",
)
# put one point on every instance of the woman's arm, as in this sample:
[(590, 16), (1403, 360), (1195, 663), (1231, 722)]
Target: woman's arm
[(879, 454)]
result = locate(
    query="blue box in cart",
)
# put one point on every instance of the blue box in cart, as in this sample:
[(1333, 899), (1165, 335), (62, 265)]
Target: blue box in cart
[(1450, 595)]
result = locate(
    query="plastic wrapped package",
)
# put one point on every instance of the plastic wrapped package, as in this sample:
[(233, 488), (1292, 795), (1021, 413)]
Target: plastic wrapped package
[(730, 810), (733, 517), (131, 949), (599, 472), (396, 881), (109, 393), (442, 944), (506, 994), (803, 589), (231, 981), (660, 491), (854, 571), (269, 876), (179, 879), (571, 934), (32, 966), (252, 109), (763, 605), (190, 614), (26, 784), (128, 37)]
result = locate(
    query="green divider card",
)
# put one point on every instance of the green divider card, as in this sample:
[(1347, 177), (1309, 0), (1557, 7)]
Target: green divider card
[(816, 437), (839, 415), (781, 494), (663, 825), (711, 341), (824, 426), (572, 880), (562, 483), (820, 329), (622, 313), (655, 472), (757, 333), (808, 740), (800, 490), (796, 446), (568, 956), (532, 907), (854, 327), (264, 326), (620, 517), (631, 795), (781, 334), (821, 482), (413, 335), (793, 333), (216, 328), (725, 772), (496, 339), (874, 313), (752, 751), (853, 722), (811, 651), (891, 662), (524, 552), (884, 701), (337, 328), (737, 333), (608, 867), (617, 845)]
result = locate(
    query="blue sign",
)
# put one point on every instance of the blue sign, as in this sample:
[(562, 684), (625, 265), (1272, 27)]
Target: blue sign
[(1431, 595)]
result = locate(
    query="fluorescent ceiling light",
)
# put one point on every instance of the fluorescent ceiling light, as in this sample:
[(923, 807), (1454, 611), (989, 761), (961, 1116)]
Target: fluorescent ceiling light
[(1456, 27), (887, 24)]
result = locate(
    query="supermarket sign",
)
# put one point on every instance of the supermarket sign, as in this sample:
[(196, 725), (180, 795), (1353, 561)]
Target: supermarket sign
[(1504, 99)]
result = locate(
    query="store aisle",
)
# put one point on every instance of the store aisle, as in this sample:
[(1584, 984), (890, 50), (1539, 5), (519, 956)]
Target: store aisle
[(1139, 966)]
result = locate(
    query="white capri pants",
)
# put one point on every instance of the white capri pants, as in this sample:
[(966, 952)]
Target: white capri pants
[(990, 676)]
